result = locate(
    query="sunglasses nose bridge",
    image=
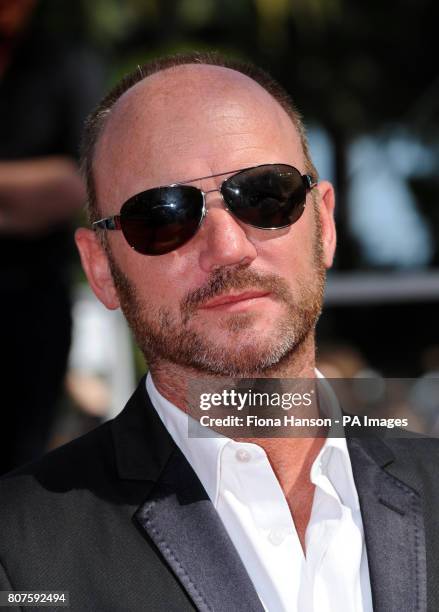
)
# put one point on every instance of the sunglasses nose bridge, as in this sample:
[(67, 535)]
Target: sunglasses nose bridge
[(205, 193), (211, 191)]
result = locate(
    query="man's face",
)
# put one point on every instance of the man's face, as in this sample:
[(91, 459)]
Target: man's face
[(199, 121)]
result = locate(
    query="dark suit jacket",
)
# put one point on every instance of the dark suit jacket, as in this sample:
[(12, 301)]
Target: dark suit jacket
[(119, 519)]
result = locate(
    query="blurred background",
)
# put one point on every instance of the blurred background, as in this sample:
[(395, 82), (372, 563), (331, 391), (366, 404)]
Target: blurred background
[(365, 77)]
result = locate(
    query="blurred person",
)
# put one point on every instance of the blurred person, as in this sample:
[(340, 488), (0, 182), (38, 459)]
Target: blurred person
[(47, 86), (227, 281), (341, 361)]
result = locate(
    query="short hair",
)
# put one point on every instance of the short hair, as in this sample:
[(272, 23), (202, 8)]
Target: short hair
[(97, 119)]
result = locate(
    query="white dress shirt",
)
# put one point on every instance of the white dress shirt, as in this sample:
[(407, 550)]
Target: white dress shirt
[(334, 575)]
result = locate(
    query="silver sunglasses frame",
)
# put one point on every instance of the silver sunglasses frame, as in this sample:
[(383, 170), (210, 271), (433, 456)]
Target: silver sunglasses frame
[(113, 221)]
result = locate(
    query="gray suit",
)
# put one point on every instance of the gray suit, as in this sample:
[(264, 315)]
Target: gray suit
[(119, 518)]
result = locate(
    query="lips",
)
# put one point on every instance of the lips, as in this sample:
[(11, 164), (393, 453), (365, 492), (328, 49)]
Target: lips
[(224, 300)]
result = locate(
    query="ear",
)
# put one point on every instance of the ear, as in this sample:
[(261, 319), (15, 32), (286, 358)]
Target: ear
[(96, 267), (326, 209)]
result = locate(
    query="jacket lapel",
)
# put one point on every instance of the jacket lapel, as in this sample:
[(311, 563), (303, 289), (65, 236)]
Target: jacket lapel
[(183, 523), (392, 516), (178, 515)]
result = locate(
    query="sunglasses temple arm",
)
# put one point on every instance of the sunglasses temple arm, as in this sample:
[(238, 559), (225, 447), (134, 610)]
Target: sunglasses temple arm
[(109, 223), (309, 181)]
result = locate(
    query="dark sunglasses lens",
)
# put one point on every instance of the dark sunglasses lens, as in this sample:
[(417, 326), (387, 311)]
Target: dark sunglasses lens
[(270, 196), (158, 221)]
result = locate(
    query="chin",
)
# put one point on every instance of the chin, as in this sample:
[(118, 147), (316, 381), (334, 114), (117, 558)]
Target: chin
[(244, 357), (245, 325)]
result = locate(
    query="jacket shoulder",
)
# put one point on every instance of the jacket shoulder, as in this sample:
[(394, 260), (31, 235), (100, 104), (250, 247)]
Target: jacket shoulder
[(80, 464)]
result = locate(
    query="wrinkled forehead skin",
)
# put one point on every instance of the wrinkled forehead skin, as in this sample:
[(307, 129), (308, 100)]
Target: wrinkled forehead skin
[(185, 122)]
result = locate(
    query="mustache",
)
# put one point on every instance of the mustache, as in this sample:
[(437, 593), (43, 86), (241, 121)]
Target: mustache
[(240, 277)]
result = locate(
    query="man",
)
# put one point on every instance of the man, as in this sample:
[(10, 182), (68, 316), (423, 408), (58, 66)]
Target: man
[(217, 276)]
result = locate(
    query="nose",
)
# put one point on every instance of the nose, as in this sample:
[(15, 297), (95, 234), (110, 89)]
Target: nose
[(224, 241)]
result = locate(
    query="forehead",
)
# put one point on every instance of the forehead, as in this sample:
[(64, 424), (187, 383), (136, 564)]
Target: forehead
[(187, 122)]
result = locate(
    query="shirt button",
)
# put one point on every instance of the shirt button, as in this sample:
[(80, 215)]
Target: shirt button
[(277, 536), (243, 455)]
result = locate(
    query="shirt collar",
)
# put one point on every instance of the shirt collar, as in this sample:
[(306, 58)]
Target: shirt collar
[(333, 459), (204, 453)]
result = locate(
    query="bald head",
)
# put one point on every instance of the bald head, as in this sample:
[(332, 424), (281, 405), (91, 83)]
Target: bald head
[(176, 104), (159, 125), (185, 122)]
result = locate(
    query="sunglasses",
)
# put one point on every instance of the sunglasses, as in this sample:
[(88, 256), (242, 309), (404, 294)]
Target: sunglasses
[(162, 219)]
